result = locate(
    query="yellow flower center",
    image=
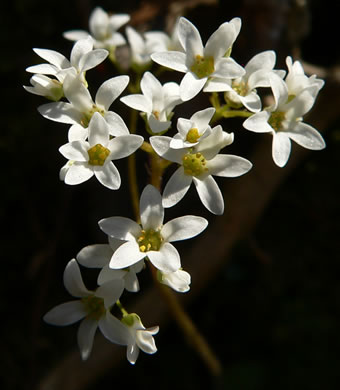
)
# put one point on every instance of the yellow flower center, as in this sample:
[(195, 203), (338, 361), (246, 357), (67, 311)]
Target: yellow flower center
[(88, 115), (240, 88), (150, 240), (194, 164), (94, 306), (156, 114), (98, 154), (276, 119), (192, 135), (203, 66)]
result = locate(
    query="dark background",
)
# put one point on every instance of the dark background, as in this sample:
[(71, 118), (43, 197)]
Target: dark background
[(272, 312)]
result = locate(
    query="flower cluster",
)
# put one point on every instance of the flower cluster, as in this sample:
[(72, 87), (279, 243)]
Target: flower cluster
[(97, 136)]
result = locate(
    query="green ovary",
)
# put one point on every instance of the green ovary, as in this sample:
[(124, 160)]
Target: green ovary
[(276, 119), (192, 135), (194, 164), (94, 306), (150, 240), (88, 115), (203, 66), (98, 154)]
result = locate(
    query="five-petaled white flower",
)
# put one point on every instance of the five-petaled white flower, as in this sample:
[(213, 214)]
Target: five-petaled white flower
[(103, 29), (93, 308), (194, 130), (94, 157), (82, 58), (80, 108), (284, 121), (199, 62), (99, 256), (157, 101), (151, 239), (198, 164), (242, 90)]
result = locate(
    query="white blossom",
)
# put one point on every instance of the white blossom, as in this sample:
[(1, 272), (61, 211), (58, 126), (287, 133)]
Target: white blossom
[(179, 280), (242, 90), (201, 62), (283, 120), (157, 101), (198, 165), (194, 130), (93, 308), (94, 157), (48, 87), (151, 239), (80, 108), (103, 29)]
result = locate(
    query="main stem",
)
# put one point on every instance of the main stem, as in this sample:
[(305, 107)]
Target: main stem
[(183, 320)]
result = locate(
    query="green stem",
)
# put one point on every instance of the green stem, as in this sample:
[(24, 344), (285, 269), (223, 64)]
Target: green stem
[(121, 308)]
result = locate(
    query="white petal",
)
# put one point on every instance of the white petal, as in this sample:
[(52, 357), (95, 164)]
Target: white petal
[(264, 60), (210, 194), (190, 38), (131, 282), (306, 136), (95, 256), (78, 173), (126, 255), (190, 86), (85, 336), (53, 57), (220, 41), (161, 145), (110, 291), (145, 341), (202, 118), (120, 227), (79, 49), (258, 123), (75, 150), (75, 35), (166, 259), (60, 112), (252, 101), (77, 133), (182, 228), (132, 353), (151, 209), (124, 145), (281, 148), (66, 314), (98, 130), (177, 186), (138, 102), (110, 90), (179, 280), (107, 273), (73, 281), (280, 90), (171, 59), (42, 69), (76, 92), (151, 87), (117, 126), (118, 20), (108, 175), (227, 165), (92, 59), (212, 144), (157, 126), (228, 68), (114, 330)]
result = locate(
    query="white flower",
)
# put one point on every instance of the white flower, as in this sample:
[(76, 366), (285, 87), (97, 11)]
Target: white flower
[(242, 90), (99, 256), (157, 101), (103, 29), (45, 86), (81, 107), (93, 308), (132, 333), (284, 121), (94, 157), (198, 164), (194, 130), (199, 62), (152, 239), (143, 45), (178, 281), (297, 81), (82, 58)]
